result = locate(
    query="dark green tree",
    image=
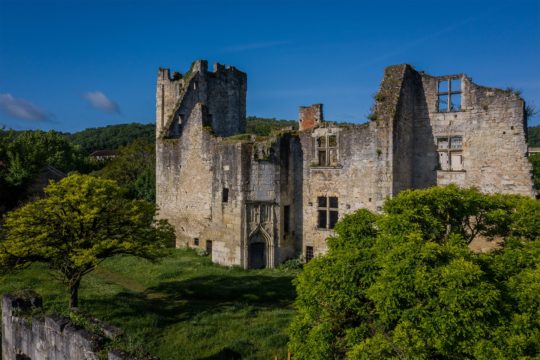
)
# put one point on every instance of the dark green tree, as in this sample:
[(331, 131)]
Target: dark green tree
[(134, 168), (404, 284)]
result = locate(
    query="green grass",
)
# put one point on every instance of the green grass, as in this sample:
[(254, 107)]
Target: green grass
[(183, 307)]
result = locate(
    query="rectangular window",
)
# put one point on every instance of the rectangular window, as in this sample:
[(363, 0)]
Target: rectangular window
[(442, 143), (196, 241), (456, 142), (286, 218), (327, 150), (450, 153), (449, 95), (225, 195), (327, 212), (209, 247), (309, 253)]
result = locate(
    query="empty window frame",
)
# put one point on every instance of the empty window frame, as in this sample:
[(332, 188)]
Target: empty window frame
[(225, 195), (449, 95), (450, 153), (309, 253), (327, 212), (327, 150), (196, 241)]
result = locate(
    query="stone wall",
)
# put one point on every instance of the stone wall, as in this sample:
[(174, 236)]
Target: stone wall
[(237, 193), (26, 335)]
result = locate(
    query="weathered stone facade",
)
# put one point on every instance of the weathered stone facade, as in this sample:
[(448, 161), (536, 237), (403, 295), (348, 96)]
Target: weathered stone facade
[(255, 202)]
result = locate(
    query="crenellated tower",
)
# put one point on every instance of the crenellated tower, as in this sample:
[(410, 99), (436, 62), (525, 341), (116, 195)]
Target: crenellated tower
[(222, 92)]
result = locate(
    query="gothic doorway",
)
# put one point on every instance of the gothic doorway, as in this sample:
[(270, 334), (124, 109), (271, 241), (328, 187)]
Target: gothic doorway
[(257, 252)]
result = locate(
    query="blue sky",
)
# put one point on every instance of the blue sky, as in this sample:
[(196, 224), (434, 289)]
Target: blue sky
[(72, 64)]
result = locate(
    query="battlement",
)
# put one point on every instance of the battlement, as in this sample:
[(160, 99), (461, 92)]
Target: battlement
[(222, 91)]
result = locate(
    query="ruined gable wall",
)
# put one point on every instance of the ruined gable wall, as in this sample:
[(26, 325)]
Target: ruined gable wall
[(403, 132), (494, 149)]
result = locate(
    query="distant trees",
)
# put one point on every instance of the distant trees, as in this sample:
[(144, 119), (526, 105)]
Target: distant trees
[(112, 137), (134, 168), (534, 136), (404, 284), (82, 221), (264, 126)]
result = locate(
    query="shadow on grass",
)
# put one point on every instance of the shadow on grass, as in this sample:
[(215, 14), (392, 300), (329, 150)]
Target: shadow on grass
[(147, 317)]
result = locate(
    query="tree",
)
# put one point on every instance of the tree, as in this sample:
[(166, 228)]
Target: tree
[(134, 168), (404, 284), (82, 221), (23, 154)]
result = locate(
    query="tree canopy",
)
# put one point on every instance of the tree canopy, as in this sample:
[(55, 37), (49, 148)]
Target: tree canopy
[(112, 137), (134, 168), (81, 221), (404, 284)]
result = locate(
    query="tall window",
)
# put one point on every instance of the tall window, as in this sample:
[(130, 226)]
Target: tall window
[(225, 195), (327, 150), (449, 95), (450, 150), (286, 218), (309, 253), (327, 211)]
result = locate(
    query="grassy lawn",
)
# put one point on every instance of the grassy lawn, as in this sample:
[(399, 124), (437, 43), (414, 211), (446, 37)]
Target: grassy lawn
[(184, 307)]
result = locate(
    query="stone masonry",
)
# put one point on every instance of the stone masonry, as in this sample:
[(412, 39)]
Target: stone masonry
[(257, 201), (28, 335)]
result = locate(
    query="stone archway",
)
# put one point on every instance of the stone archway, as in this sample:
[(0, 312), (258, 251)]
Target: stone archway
[(257, 251)]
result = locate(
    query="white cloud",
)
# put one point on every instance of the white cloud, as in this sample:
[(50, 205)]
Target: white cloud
[(100, 101), (22, 109)]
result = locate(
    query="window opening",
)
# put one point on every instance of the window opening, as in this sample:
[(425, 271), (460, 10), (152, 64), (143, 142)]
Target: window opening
[(327, 212), (449, 95), (450, 153), (327, 150), (225, 195), (286, 218), (209, 247), (309, 253), (196, 241)]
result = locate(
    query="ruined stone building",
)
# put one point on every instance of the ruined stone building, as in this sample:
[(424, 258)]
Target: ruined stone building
[(257, 201)]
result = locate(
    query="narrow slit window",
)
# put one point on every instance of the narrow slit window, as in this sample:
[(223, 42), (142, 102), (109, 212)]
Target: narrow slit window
[(286, 218), (225, 195)]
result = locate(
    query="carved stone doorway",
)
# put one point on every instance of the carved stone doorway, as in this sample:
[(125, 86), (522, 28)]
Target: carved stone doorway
[(257, 252)]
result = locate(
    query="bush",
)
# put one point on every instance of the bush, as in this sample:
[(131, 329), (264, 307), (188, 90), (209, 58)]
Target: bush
[(404, 284)]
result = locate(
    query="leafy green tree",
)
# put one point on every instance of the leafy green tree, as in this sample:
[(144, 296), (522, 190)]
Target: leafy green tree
[(535, 162), (404, 284), (134, 168), (82, 221)]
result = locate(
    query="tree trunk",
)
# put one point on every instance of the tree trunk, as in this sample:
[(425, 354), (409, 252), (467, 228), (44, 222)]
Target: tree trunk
[(74, 293)]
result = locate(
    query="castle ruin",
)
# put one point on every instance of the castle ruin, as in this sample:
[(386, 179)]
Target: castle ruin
[(258, 201)]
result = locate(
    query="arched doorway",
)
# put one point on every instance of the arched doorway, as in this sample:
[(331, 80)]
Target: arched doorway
[(257, 251)]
